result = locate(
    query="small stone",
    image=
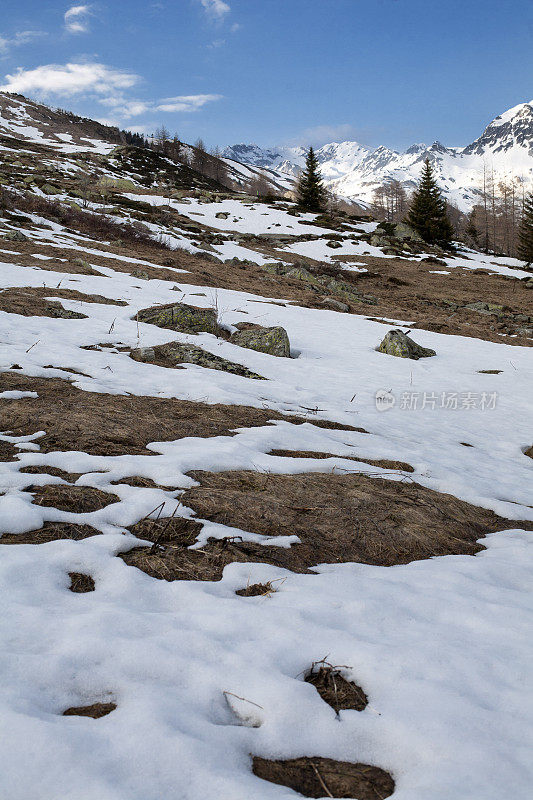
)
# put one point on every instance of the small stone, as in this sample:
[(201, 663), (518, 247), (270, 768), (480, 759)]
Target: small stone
[(397, 343)]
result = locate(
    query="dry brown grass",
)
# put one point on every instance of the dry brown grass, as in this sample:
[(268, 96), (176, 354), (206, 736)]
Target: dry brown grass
[(76, 499), (334, 689), (325, 777), (81, 583), (102, 424), (342, 518), (50, 532), (32, 302), (96, 710), (384, 463)]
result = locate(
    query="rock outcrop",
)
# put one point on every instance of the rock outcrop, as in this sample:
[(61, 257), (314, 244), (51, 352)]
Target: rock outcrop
[(397, 343)]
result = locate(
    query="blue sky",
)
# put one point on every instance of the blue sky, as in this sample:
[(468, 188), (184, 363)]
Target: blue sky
[(387, 72)]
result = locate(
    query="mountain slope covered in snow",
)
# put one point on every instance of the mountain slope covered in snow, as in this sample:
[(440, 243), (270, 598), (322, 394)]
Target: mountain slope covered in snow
[(354, 171)]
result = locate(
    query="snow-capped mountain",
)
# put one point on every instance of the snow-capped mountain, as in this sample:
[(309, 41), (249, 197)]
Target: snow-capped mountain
[(353, 171)]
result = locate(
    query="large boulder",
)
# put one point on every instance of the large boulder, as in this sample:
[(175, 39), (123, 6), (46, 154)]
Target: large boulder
[(273, 341), (397, 343), (173, 354), (404, 231), (181, 317), (16, 236)]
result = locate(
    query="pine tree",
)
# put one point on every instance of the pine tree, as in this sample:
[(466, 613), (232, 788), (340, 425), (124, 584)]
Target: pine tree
[(525, 232), (427, 214), (310, 192)]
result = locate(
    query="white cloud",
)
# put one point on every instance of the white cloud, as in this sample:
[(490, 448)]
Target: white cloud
[(191, 102), (216, 8), (67, 80), (18, 39), (77, 19), (105, 84)]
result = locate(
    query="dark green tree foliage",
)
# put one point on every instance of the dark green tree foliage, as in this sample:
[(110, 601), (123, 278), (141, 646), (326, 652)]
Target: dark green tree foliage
[(427, 214), (310, 193), (525, 232)]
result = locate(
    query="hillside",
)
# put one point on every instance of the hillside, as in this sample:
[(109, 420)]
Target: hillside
[(247, 551), (354, 172)]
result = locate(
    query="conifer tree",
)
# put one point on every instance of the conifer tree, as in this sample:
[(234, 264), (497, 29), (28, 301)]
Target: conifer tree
[(310, 192), (525, 232), (427, 214)]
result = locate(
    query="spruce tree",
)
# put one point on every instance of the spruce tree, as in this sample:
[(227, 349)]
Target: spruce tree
[(310, 193), (525, 232), (427, 214)]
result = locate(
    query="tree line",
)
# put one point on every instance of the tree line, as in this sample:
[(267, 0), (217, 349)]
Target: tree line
[(501, 223)]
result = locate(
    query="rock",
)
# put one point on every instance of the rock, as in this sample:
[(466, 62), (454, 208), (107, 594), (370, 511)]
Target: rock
[(55, 309), (181, 317), (397, 343), (301, 274), (141, 274), (16, 236), (336, 304), (222, 215), (529, 452), (173, 354), (334, 244), (273, 341), (433, 260), (404, 231), (80, 262), (47, 188)]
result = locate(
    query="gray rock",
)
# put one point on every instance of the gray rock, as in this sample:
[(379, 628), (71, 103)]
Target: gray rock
[(335, 304), (273, 341), (181, 317), (173, 354), (222, 215), (16, 236), (396, 343), (404, 231)]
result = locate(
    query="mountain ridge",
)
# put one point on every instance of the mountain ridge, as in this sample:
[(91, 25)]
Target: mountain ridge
[(354, 171)]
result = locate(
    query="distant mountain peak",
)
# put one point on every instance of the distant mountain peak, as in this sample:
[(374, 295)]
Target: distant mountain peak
[(354, 171)]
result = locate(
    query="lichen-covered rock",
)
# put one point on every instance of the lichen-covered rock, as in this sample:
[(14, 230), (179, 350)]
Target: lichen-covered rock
[(301, 274), (222, 215), (335, 304), (173, 354), (404, 231), (273, 341), (181, 317), (16, 236), (397, 343), (55, 309)]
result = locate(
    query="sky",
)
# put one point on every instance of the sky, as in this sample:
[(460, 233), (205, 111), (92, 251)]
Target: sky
[(276, 72)]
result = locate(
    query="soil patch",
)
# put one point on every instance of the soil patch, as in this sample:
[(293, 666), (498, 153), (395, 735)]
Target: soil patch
[(81, 583), (95, 711), (324, 777), (334, 689)]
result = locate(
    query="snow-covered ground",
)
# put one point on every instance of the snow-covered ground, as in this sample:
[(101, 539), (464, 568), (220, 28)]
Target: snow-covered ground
[(441, 647)]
